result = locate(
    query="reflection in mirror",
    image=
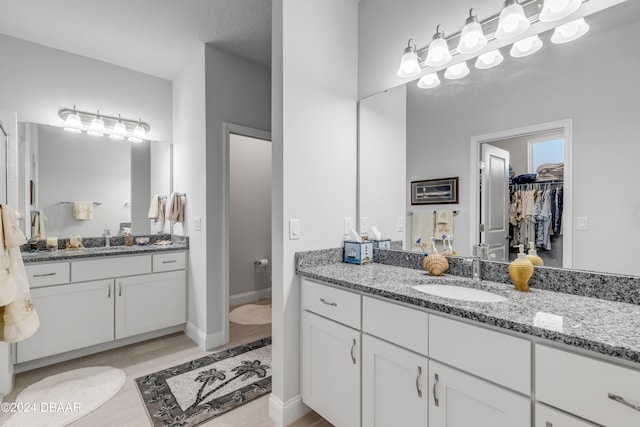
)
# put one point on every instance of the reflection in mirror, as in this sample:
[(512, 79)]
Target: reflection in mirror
[(116, 178), (591, 83)]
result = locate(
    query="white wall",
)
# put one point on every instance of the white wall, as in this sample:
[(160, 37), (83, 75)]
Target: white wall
[(382, 149), (314, 67), (189, 176), (249, 216), (37, 81), (81, 167), (604, 111)]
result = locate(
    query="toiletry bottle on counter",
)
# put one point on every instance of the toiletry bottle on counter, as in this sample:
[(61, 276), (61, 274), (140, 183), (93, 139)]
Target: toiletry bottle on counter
[(533, 255), (128, 238), (521, 270)]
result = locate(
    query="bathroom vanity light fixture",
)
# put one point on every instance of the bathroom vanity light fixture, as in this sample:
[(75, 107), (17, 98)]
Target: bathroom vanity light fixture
[(553, 10), (472, 38), (526, 47), (439, 53), (570, 31), (96, 124), (513, 21), (489, 60), (457, 71)]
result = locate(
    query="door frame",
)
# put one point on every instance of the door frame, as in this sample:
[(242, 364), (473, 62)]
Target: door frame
[(567, 213), (228, 129)]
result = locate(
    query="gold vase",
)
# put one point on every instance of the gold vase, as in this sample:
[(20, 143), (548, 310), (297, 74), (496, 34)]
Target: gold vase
[(435, 264), (520, 272)]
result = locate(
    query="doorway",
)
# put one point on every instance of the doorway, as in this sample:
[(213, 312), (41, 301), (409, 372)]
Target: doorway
[(249, 226), (507, 166)]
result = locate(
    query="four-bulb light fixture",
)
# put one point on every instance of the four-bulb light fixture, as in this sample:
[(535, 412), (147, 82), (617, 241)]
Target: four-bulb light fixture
[(512, 22), (96, 124)]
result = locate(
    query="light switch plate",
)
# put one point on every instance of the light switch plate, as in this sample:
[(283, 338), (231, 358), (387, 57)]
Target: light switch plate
[(364, 223), (582, 223), (197, 223), (348, 224), (294, 229), (399, 223)]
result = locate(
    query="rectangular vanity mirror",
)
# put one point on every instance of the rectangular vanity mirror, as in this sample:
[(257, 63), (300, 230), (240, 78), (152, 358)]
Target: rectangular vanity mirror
[(589, 85), (118, 178)]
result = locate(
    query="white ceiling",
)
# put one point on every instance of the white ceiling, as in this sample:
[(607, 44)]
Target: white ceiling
[(151, 36)]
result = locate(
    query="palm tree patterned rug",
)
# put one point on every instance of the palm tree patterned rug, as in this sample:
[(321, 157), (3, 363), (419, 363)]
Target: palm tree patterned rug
[(193, 392)]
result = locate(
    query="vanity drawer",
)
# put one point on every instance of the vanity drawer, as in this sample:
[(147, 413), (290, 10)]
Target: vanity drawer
[(401, 325), (169, 261), (583, 386), (491, 355), (549, 417), (336, 304), (95, 269), (55, 273)]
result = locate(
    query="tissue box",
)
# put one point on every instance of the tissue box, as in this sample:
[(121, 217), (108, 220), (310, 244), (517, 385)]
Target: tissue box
[(382, 244), (358, 253)]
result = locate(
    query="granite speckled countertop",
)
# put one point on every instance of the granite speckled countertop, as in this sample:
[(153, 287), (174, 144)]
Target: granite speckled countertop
[(63, 254), (607, 327)]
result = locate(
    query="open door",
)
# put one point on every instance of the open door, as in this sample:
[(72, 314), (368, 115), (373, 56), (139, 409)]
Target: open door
[(494, 201)]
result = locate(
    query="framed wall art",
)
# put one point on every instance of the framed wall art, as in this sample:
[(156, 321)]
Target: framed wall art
[(434, 191)]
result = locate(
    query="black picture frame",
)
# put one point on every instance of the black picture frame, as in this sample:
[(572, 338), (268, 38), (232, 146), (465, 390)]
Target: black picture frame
[(434, 191)]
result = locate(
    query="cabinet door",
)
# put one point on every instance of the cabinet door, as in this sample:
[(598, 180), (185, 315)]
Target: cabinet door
[(331, 370), (71, 317), (150, 302), (461, 400), (394, 385)]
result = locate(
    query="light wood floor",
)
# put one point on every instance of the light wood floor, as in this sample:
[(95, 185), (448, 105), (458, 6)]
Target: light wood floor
[(126, 408)]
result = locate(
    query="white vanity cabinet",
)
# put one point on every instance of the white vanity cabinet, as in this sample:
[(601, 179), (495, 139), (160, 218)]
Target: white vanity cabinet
[(331, 342), (549, 417), (100, 300), (595, 390)]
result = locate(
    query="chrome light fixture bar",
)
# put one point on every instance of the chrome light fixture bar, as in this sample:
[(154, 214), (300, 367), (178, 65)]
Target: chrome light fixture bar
[(98, 124)]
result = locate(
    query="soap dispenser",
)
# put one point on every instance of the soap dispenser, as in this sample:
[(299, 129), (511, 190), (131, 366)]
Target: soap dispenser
[(521, 270), (533, 255)]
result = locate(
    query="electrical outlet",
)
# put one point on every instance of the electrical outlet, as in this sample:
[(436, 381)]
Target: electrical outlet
[(582, 223)]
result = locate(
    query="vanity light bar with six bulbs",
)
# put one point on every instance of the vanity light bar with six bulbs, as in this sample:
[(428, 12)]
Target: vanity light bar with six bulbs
[(96, 124), (513, 20)]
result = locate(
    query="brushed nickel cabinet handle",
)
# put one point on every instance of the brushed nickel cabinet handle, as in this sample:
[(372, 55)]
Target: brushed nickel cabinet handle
[(549, 424), (624, 402), (120, 289), (44, 274), (353, 347), (329, 303), (169, 262), (109, 293), (435, 384), (418, 381)]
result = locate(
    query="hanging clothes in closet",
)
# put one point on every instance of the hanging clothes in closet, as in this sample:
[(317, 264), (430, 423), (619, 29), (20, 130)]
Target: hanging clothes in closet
[(535, 213)]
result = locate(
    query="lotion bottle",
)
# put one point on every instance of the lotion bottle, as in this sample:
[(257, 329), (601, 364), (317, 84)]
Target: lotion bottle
[(533, 255), (520, 271)]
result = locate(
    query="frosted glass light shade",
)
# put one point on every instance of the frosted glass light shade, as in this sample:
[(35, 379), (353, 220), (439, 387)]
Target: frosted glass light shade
[(456, 71), (438, 51), (409, 65), (489, 59), (97, 127), (570, 31), (429, 81), (73, 123), (472, 38), (138, 134), (526, 47), (119, 131), (512, 22), (552, 10)]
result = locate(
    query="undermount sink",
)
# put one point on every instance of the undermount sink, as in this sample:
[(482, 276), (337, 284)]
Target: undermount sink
[(460, 293)]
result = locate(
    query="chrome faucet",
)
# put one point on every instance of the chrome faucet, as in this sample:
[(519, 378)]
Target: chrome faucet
[(107, 237), (480, 252)]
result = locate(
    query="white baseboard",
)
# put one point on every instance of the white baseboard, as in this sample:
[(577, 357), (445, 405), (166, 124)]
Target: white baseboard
[(285, 413), (204, 341), (247, 297)]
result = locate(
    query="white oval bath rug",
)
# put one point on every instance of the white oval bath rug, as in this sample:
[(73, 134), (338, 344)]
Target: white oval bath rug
[(61, 399), (251, 314)]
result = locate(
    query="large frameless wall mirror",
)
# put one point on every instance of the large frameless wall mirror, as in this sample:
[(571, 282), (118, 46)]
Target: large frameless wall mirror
[(118, 178), (590, 85)]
